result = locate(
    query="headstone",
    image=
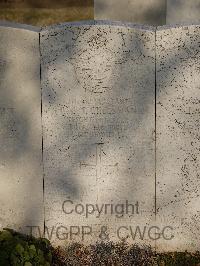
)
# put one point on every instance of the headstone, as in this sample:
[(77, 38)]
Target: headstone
[(21, 182), (178, 146), (98, 83), (151, 12), (94, 174), (183, 11)]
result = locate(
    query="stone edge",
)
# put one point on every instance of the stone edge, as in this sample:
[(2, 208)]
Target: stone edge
[(14, 25), (93, 23)]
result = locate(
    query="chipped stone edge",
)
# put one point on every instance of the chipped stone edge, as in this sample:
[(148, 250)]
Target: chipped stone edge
[(176, 26), (14, 25)]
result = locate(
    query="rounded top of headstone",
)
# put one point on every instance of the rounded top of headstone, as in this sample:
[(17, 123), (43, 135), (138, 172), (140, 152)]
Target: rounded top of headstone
[(15, 25), (99, 23)]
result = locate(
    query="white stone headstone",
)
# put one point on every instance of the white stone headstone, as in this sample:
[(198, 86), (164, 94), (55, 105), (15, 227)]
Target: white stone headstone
[(21, 178), (98, 83), (178, 145), (95, 88)]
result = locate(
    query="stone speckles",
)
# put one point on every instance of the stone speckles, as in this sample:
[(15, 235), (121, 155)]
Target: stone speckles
[(98, 98), (98, 83), (178, 138)]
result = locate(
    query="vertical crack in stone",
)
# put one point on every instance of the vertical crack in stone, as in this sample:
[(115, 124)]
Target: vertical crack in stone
[(155, 130), (44, 226), (155, 118)]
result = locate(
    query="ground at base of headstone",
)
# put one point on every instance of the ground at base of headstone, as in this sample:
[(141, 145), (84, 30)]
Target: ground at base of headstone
[(120, 254), (18, 249)]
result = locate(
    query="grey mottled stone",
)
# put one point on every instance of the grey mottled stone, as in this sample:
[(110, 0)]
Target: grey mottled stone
[(178, 145), (151, 12), (183, 11), (98, 84), (21, 193)]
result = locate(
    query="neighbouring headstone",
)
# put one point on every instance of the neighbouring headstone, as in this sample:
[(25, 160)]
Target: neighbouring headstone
[(183, 11), (21, 179), (178, 145), (151, 12), (98, 86)]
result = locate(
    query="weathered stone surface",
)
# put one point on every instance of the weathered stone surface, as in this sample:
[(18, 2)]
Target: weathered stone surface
[(98, 83), (98, 97), (178, 145), (21, 179), (181, 11), (151, 12)]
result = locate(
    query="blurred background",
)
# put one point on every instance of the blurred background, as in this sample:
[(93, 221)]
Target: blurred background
[(150, 12), (46, 12)]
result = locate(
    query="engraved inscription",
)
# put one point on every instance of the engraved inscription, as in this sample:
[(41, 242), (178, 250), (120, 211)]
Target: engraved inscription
[(98, 164)]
